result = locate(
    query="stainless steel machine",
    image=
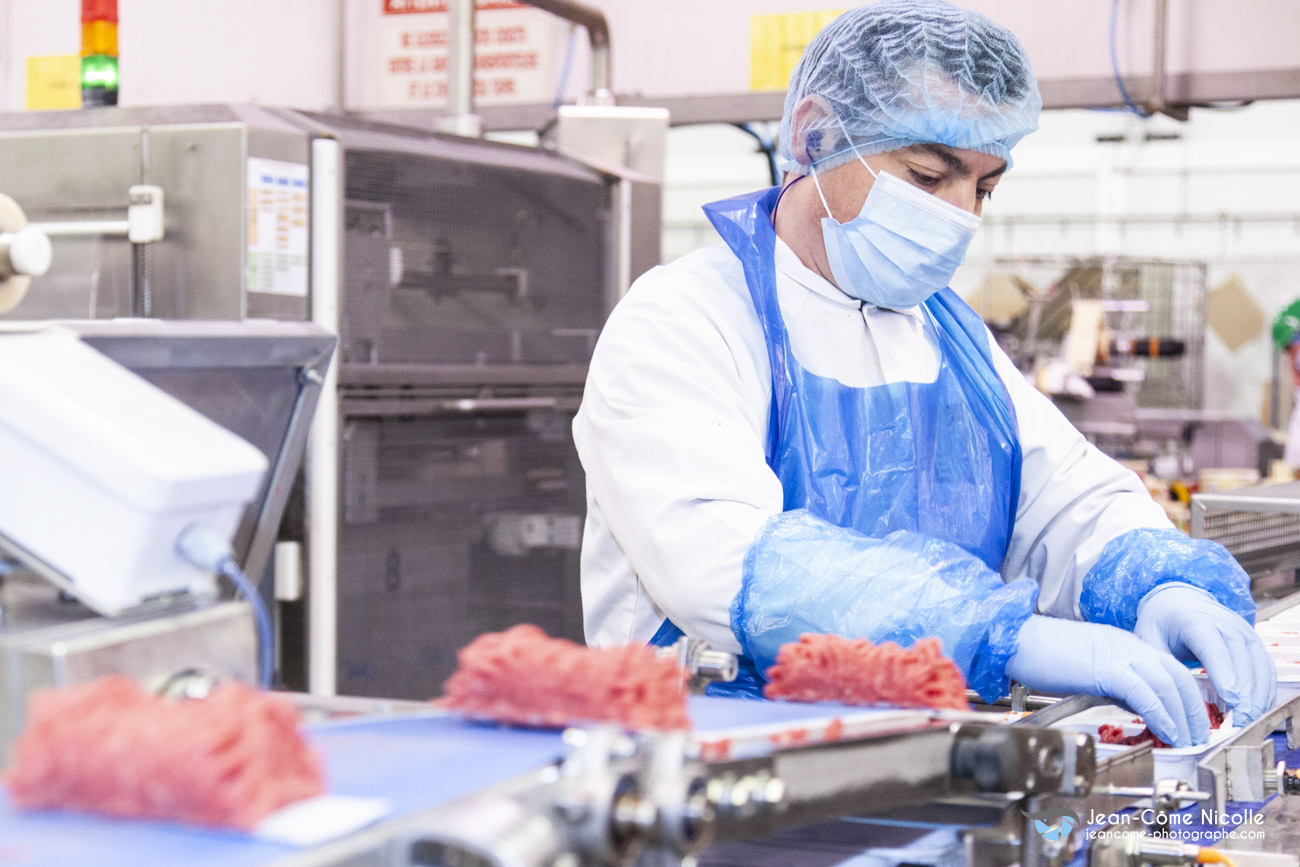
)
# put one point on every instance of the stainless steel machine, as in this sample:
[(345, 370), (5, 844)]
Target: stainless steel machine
[(467, 281), (258, 380), (1260, 526)]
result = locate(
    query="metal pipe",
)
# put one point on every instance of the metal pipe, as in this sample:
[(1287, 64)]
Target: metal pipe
[(323, 449), (460, 118), (1158, 57), (84, 227), (601, 88)]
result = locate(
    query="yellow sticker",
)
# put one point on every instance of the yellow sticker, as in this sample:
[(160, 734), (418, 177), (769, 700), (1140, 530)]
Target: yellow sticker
[(775, 43), (54, 82)]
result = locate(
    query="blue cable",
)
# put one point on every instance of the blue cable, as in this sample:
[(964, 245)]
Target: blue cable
[(564, 71), (211, 553), (1114, 64), (265, 631)]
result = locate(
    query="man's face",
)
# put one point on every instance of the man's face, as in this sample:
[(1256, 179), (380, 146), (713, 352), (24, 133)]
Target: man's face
[(963, 178)]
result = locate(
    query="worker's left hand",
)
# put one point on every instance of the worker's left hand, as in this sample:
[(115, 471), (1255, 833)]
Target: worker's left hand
[(1191, 624)]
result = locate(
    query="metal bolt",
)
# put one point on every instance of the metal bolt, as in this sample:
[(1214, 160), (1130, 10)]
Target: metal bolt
[(774, 791), (742, 793), (1019, 698), (1050, 761), (1281, 780), (573, 807), (1081, 742), (717, 790), (634, 811)]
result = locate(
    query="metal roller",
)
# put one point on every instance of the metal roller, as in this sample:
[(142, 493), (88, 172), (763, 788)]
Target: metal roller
[(25, 253)]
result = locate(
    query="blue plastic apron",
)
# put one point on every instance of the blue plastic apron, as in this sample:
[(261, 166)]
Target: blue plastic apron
[(940, 458)]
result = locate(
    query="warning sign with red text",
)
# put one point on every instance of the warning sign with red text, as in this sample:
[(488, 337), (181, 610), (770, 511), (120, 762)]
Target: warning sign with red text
[(514, 57)]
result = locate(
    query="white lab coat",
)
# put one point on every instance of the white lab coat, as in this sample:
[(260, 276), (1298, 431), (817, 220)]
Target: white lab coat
[(674, 420)]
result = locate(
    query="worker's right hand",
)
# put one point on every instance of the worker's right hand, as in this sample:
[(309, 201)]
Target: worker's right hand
[(1065, 656)]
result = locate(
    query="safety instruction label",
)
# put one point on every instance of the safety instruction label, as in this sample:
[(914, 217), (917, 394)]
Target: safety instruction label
[(277, 227), (514, 53), (775, 43)]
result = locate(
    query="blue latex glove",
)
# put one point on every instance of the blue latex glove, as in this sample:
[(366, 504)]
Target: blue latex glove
[(1191, 624), (1066, 656)]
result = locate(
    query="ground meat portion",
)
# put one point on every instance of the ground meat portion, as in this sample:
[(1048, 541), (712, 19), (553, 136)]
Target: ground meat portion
[(1109, 734), (110, 747), (524, 676), (855, 671)]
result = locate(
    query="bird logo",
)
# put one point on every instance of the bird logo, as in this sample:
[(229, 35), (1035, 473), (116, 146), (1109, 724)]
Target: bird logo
[(1054, 824)]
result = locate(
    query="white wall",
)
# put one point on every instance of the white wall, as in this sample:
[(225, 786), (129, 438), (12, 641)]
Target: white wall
[(1226, 192), (286, 51), (671, 49), (275, 52)]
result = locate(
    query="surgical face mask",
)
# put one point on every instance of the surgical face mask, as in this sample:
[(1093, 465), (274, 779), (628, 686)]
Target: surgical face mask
[(902, 247)]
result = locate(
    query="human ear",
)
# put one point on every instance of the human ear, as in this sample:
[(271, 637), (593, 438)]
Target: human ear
[(813, 130)]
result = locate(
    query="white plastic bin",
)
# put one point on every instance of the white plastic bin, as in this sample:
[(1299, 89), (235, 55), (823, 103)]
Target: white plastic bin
[(100, 471)]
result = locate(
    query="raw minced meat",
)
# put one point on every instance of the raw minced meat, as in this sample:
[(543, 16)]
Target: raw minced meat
[(1108, 734), (855, 671), (110, 747), (524, 676)]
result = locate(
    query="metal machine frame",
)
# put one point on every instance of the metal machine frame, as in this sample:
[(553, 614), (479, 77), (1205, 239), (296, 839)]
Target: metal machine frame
[(1259, 525)]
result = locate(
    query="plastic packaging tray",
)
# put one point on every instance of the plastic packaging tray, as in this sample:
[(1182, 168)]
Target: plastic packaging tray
[(1282, 640), (1171, 763)]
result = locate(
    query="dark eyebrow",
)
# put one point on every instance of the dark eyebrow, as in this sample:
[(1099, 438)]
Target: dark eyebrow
[(954, 162)]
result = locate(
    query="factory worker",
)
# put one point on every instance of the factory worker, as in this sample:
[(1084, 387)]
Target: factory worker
[(803, 430), (1286, 336)]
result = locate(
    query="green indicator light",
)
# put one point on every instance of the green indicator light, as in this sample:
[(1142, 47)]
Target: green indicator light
[(99, 70), (98, 80)]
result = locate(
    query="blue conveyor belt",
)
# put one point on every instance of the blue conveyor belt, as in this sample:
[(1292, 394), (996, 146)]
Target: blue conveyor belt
[(416, 763)]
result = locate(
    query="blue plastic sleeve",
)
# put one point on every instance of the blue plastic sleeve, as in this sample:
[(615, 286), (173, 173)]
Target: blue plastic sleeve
[(804, 575), (1135, 563)]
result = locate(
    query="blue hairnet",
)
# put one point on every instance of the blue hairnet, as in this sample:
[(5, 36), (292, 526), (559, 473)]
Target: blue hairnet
[(899, 73), (1135, 563)]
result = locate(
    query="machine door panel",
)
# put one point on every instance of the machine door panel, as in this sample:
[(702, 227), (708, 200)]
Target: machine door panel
[(452, 526)]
